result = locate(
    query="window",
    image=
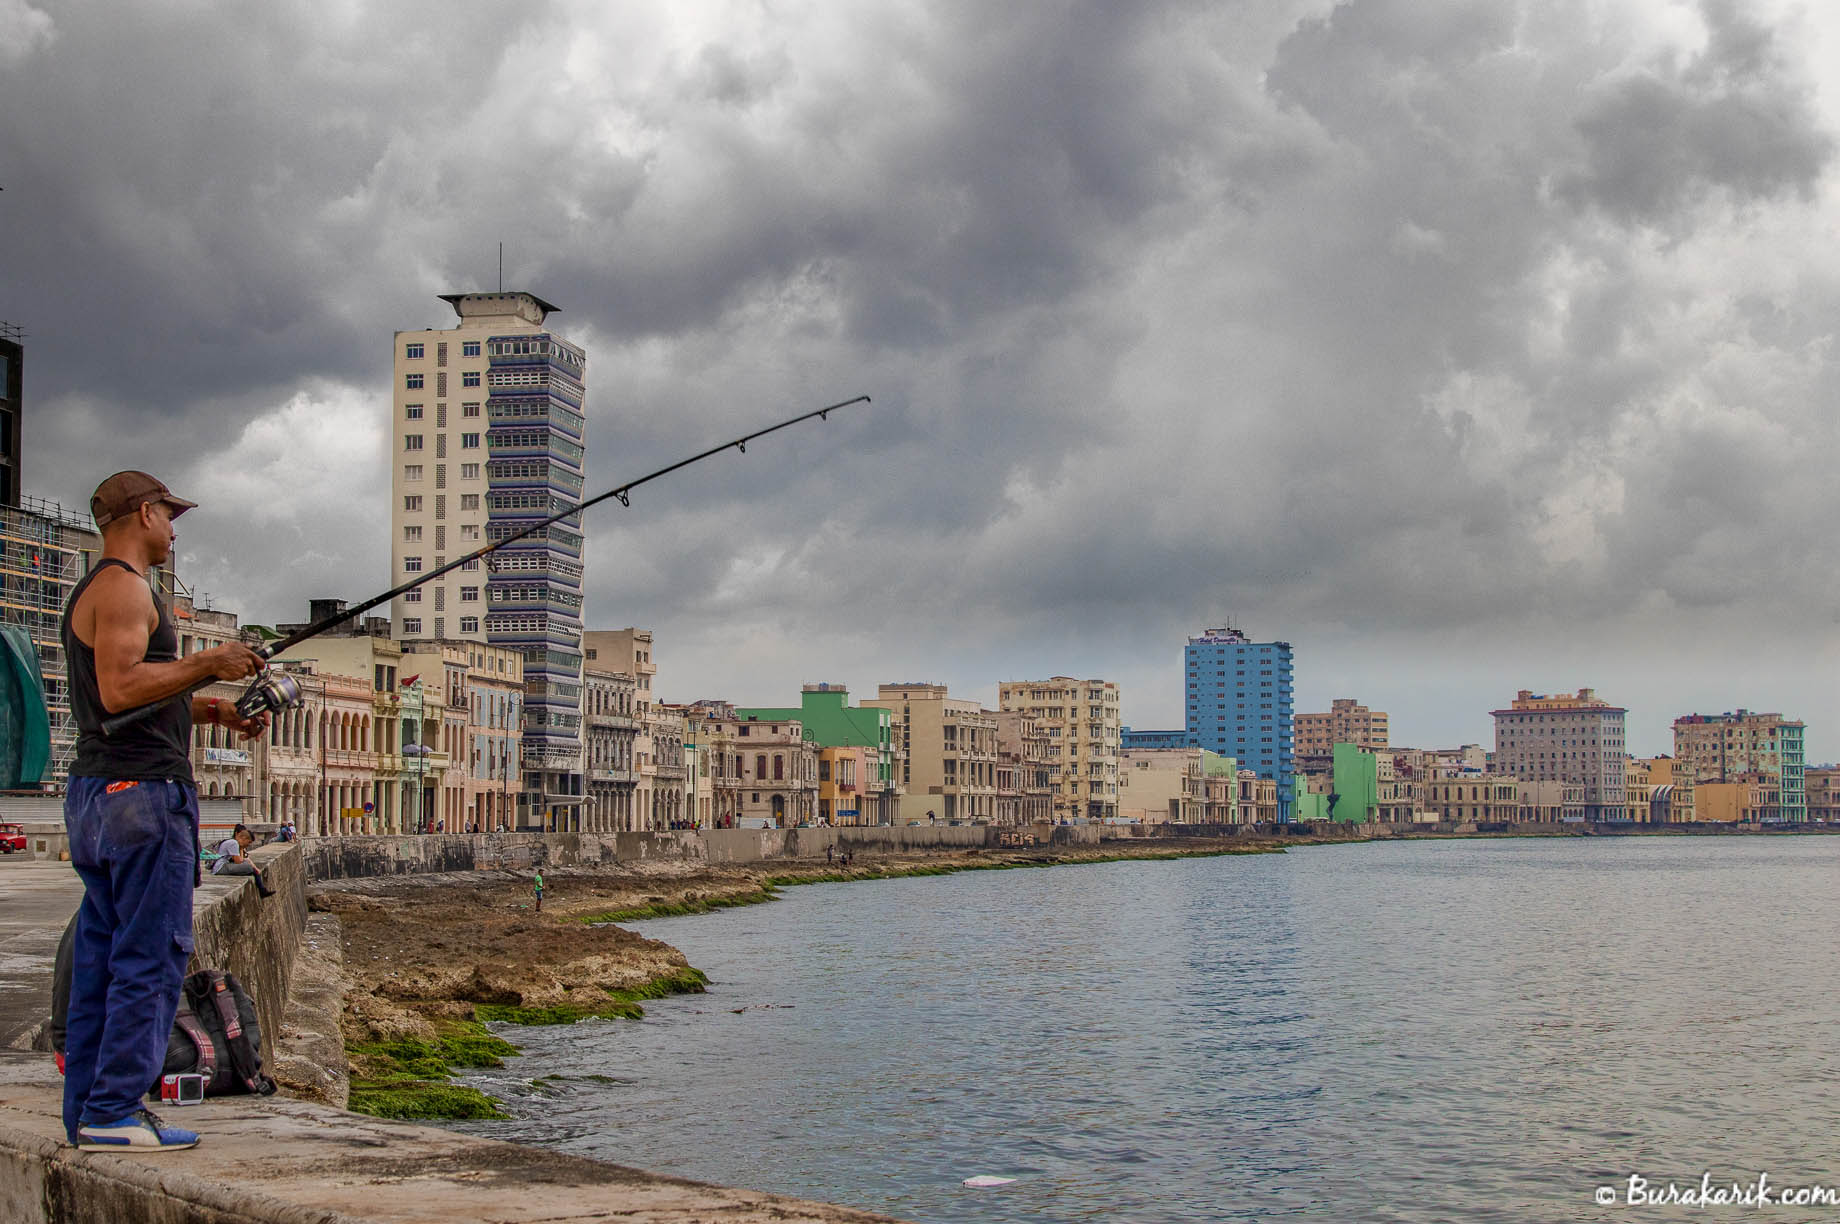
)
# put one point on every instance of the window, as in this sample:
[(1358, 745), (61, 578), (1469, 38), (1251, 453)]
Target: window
[(413, 352), (469, 624), (413, 382), (412, 535), (469, 594), (412, 504), (469, 348), (412, 625), (412, 471), (412, 597), (470, 378), (412, 412), (469, 441), (469, 501), (412, 442), (469, 471), (412, 565), (470, 409)]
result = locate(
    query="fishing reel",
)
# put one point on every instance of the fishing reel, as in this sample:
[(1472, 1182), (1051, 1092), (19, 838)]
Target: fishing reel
[(271, 692)]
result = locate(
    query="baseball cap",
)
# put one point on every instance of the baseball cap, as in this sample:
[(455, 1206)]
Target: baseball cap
[(125, 492)]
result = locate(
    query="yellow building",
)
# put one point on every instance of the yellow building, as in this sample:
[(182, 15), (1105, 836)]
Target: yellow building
[(1084, 739), (1746, 799), (1162, 785), (1475, 798), (950, 748), (374, 737)]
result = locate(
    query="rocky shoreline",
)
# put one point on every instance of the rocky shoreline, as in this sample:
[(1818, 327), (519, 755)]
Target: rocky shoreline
[(430, 960)]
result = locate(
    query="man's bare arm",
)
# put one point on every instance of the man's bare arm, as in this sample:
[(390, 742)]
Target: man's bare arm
[(120, 606)]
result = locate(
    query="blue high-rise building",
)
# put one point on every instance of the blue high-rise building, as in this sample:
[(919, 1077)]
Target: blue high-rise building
[(1238, 702)]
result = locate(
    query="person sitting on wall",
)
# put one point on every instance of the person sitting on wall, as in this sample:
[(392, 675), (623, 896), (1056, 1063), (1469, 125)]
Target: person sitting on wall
[(233, 858)]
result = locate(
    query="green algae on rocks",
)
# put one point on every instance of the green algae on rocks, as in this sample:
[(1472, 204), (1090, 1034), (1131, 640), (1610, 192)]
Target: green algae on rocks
[(622, 1002), (410, 1079)]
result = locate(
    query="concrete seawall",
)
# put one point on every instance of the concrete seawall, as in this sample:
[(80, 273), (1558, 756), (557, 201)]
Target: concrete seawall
[(278, 1161), (349, 858)]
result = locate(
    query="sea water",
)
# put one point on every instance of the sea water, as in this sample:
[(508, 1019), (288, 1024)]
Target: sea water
[(1431, 1030)]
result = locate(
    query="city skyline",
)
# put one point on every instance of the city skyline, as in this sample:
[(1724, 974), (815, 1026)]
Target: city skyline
[(1467, 351)]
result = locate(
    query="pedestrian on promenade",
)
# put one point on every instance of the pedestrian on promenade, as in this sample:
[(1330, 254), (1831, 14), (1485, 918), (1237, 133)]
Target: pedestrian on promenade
[(131, 811), (538, 884)]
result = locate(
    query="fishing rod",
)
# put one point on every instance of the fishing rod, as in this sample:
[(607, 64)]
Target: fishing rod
[(280, 691)]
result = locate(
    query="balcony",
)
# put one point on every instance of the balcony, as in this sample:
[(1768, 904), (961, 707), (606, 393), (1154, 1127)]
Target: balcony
[(615, 776), (614, 722)]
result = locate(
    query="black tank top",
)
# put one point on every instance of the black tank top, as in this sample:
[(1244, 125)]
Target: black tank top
[(154, 748)]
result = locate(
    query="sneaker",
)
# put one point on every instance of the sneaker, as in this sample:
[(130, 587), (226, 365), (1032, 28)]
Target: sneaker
[(141, 1130)]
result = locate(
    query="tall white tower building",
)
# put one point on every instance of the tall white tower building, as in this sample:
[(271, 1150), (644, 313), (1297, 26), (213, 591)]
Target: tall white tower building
[(486, 438)]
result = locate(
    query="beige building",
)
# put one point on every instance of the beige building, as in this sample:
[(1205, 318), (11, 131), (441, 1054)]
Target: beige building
[(629, 651), (1823, 789), (1551, 802), (949, 746), (1162, 785), (1258, 798), (778, 772), (1566, 737), (493, 753), (1474, 799), (663, 765), (373, 737), (713, 730), (1023, 744), (444, 669), (1314, 736), (1084, 739), (224, 764), (609, 706)]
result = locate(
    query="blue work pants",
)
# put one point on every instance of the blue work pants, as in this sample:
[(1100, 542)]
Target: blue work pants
[(136, 846)]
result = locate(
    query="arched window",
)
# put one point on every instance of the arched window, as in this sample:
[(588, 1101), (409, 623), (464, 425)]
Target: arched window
[(779, 767), (760, 765)]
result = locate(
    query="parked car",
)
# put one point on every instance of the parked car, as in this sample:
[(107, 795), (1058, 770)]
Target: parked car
[(12, 838)]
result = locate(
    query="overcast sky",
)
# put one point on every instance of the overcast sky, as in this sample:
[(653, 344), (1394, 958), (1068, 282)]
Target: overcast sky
[(1468, 347)]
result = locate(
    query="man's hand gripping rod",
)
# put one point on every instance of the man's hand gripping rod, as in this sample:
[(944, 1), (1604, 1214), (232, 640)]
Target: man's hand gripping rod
[(265, 693)]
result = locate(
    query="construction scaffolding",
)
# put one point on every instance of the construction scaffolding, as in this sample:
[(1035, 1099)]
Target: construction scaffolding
[(44, 551)]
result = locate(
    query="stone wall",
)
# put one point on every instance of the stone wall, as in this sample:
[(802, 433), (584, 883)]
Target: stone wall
[(256, 937)]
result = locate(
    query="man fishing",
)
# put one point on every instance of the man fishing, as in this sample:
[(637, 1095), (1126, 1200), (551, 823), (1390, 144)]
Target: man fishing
[(131, 810)]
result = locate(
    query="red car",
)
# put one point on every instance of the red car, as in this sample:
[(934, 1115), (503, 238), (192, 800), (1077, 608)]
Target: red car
[(12, 837)]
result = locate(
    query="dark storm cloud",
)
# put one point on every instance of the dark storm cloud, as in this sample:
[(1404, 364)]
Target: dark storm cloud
[(1425, 322)]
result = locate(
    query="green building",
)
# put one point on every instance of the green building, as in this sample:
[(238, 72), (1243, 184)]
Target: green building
[(831, 722), (1306, 806), (1357, 785)]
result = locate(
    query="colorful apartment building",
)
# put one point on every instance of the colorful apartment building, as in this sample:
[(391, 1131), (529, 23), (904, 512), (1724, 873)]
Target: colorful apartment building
[(1733, 746)]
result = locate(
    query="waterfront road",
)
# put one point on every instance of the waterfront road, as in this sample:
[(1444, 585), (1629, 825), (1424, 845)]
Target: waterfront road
[(37, 897)]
